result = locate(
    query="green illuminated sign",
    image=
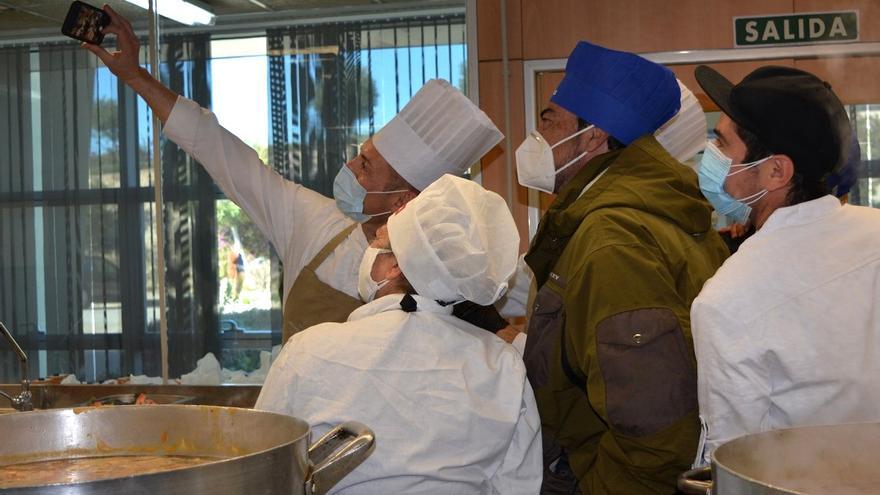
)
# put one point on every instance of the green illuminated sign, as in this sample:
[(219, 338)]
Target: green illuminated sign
[(815, 27)]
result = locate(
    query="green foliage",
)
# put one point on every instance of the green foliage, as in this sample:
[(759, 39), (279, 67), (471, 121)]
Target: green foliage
[(244, 360), (253, 242)]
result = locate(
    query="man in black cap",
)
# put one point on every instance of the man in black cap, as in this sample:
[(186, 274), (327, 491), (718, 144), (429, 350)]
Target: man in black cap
[(786, 331), (839, 182)]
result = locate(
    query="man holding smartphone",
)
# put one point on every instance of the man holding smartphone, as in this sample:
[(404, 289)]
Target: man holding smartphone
[(438, 132)]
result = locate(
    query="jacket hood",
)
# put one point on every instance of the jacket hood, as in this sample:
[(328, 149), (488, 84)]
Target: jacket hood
[(642, 176)]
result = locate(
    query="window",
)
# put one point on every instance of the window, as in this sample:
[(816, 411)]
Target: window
[(333, 86), (866, 125), (75, 215), (78, 276)]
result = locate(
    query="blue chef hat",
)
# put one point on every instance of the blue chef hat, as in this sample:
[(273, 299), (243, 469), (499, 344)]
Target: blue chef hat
[(619, 92)]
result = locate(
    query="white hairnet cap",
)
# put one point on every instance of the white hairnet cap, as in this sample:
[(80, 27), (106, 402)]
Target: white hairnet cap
[(440, 131), (684, 135), (455, 241)]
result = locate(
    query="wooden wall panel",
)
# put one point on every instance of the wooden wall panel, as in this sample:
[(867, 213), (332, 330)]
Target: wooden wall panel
[(494, 165), (856, 80), (551, 28), (734, 71), (542, 29), (489, 29), (869, 13), (545, 86)]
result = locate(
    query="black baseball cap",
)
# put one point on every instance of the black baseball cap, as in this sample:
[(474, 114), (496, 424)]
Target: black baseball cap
[(790, 111)]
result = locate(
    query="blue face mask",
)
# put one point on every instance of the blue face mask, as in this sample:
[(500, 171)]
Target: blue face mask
[(350, 195), (714, 171)]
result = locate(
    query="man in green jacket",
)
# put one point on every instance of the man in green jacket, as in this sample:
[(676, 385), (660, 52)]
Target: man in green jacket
[(618, 258)]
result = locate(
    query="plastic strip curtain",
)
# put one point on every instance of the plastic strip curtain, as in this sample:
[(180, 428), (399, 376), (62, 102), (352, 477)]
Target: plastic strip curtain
[(333, 85), (17, 309), (46, 204), (189, 214), (77, 262)]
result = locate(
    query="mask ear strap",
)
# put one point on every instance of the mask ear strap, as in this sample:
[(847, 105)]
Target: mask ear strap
[(747, 166), (373, 215), (388, 192), (575, 159), (572, 162), (751, 199), (576, 134)]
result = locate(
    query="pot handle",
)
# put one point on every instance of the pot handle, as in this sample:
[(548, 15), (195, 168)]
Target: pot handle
[(696, 481), (338, 453)]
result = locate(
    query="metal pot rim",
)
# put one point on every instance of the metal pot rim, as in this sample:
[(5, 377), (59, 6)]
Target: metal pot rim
[(312, 467), (737, 443), (282, 442)]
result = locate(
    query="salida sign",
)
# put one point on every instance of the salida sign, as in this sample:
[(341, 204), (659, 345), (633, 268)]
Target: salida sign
[(815, 27)]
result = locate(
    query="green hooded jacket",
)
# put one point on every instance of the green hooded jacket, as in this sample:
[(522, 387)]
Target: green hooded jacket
[(609, 350)]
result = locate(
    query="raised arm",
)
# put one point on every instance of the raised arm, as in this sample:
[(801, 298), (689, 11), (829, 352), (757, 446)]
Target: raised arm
[(288, 214), (125, 64)]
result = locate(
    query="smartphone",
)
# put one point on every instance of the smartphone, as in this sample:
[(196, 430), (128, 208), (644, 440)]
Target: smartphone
[(84, 23)]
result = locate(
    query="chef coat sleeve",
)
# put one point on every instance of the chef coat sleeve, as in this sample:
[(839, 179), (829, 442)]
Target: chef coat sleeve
[(627, 336), (285, 212), (521, 470), (733, 383)]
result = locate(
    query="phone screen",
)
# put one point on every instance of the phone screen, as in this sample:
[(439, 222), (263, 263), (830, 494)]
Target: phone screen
[(84, 22)]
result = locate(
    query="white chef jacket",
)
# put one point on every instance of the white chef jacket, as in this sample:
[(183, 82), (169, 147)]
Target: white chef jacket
[(449, 403), (787, 332), (297, 221)]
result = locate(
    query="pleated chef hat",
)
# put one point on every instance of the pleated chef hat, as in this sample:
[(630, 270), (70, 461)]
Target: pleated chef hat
[(455, 241), (438, 132), (684, 135)]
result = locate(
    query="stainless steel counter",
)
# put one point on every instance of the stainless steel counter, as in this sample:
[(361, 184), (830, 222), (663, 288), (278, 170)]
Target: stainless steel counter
[(59, 396)]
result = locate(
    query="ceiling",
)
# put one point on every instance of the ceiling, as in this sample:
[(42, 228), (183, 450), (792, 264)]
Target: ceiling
[(28, 16)]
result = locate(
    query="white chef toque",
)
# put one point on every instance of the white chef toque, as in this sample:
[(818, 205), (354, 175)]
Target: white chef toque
[(455, 241), (440, 131), (684, 135)]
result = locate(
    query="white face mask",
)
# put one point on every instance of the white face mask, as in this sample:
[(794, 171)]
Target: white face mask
[(367, 287), (535, 166), (350, 195), (713, 173)]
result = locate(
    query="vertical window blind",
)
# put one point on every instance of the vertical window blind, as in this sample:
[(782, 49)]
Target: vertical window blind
[(78, 279)]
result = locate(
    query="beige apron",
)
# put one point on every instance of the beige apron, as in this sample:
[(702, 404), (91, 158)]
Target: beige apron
[(311, 301)]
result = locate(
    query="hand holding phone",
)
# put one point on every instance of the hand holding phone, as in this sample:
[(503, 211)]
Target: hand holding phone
[(124, 63), (85, 23)]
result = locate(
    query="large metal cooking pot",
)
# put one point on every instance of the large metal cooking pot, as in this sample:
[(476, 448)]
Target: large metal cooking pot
[(241, 451), (839, 460)]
